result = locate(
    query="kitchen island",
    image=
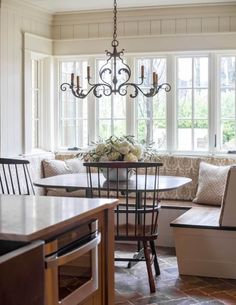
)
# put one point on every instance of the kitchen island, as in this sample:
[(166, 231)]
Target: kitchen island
[(26, 219)]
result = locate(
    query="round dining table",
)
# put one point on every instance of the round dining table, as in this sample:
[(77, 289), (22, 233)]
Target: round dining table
[(72, 182)]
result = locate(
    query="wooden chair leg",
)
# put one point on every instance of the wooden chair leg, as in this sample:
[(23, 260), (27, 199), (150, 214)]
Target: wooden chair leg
[(149, 267), (156, 264)]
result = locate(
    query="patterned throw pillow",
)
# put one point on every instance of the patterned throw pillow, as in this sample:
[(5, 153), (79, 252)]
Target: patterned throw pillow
[(59, 167), (211, 184)]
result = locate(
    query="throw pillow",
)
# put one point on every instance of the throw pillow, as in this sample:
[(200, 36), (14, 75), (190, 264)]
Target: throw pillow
[(58, 167), (211, 184)]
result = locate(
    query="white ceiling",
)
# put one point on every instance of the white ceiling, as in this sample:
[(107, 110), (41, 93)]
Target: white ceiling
[(57, 6)]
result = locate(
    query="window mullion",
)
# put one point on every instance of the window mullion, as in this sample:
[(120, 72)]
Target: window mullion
[(193, 96)]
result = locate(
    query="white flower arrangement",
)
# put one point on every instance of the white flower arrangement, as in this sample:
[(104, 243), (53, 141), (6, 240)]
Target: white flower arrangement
[(117, 149)]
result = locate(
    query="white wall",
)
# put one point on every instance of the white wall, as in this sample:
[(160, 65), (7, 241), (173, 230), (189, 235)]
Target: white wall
[(16, 18)]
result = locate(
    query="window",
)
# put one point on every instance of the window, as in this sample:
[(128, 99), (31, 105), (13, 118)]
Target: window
[(227, 102), (188, 119), (73, 112), (151, 112), (35, 65), (192, 103)]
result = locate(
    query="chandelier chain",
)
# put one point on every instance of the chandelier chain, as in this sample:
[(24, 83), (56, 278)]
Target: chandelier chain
[(115, 21)]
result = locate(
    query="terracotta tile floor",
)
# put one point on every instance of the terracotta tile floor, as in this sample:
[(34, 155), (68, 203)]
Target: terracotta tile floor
[(132, 284)]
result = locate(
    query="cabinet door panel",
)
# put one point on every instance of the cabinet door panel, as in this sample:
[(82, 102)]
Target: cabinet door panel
[(22, 276)]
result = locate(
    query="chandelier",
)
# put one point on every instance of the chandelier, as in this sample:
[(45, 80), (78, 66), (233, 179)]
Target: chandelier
[(116, 79)]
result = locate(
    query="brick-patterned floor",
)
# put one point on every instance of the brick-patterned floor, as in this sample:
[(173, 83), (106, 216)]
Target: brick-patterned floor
[(132, 284)]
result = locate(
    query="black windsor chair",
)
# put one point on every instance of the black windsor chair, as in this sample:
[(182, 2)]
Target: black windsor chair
[(137, 212), (15, 177)]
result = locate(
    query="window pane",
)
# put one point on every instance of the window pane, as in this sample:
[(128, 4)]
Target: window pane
[(228, 134), (227, 73), (119, 106), (201, 135), (201, 72), (104, 129), (159, 133), (35, 72), (104, 105), (119, 127), (201, 104), (192, 101), (184, 103), (73, 111), (159, 106), (151, 110), (68, 133), (184, 72), (142, 131), (227, 103), (185, 135)]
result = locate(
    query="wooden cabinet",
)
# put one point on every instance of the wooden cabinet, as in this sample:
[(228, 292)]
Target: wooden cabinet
[(21, 273)]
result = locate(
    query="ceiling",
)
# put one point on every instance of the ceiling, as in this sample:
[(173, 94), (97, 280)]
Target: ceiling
[(58, 6)]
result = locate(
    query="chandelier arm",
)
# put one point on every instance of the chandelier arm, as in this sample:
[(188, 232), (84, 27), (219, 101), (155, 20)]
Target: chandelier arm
[(107, 90), (152, 91)]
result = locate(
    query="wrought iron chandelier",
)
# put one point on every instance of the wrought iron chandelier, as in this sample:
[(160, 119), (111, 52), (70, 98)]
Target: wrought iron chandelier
[(120, 76)]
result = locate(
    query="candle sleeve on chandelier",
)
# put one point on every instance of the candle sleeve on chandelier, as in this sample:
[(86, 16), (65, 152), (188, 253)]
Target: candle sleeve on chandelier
[(77, 81), (142, 71), (72, 78), (88, 72), (154, 77)]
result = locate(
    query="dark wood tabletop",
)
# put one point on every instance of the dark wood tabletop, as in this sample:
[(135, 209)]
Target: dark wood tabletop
[(73, 182)]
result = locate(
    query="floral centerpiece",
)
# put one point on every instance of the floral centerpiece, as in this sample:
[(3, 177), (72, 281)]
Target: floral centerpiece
[(114, 148)]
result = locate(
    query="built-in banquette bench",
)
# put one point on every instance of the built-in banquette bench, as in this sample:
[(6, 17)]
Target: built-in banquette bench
[(173, 203), (205, 237)]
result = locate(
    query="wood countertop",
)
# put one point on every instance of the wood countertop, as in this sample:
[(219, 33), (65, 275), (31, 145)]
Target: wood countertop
[(27, 218)]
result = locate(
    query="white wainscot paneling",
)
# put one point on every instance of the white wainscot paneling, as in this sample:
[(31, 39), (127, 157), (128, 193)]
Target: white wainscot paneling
[(224, 24), (67, 32), (131, 28), (168, 26), (81, 31), (181, 26), (93, 30), (194, 25), (156, 27), (106, 29), (233, 24), (144, 27), (210, 25)]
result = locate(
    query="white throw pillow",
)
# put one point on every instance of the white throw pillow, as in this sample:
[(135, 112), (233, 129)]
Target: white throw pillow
[(59, 167), (211, 184)]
